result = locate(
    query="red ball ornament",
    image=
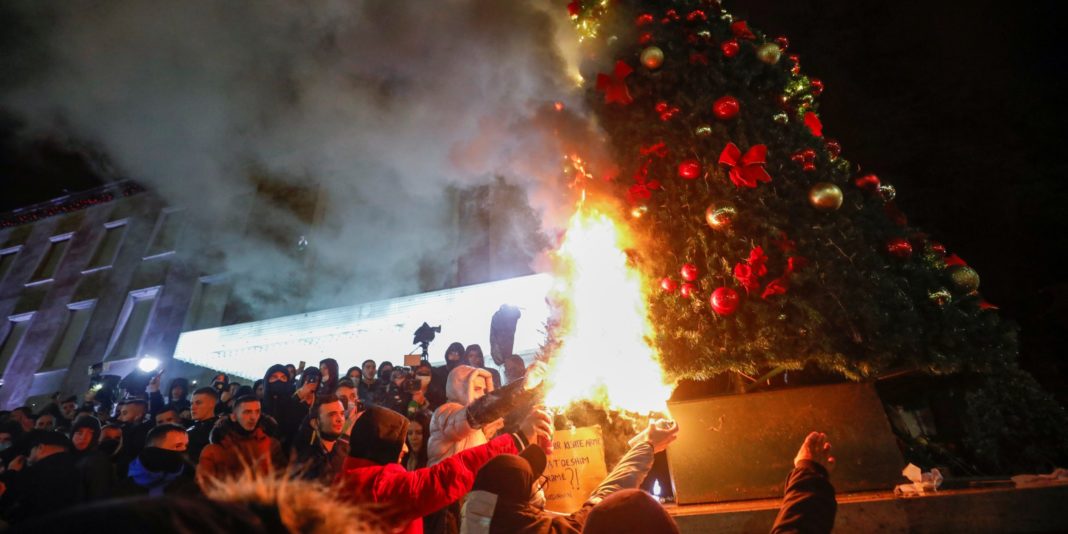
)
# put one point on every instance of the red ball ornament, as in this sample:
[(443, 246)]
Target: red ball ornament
[(834, 149), (726, 108), (689, 272), (868, 182), (899, 248), (730, 48), (724, 300), (938, 248), (690, 169), (687, 290), (817, 86), (783, 42), (668, 284)]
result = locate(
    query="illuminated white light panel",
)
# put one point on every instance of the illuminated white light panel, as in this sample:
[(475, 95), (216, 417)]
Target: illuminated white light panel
[(379, 330)]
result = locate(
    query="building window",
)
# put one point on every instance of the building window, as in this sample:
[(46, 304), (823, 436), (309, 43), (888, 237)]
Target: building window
[(57, 249), (7, 259), (133, 320), (63, 352), (208, 303), (165, 236), (108, 248), (17, 327)]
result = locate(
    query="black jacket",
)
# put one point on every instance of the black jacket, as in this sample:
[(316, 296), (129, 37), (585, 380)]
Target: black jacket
[(808, 503), (198, 437), (43, 488)]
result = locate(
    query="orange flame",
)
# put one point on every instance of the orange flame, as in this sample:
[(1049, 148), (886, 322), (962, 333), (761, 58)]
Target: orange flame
[(604, 353)]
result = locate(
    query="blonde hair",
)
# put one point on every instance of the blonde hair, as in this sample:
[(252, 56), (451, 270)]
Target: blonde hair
[(304, 506)]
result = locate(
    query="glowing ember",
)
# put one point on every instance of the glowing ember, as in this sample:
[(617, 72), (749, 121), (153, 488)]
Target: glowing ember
[(604, 355)]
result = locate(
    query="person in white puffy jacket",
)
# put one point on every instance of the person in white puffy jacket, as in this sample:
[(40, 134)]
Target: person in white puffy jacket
[(474, 410)]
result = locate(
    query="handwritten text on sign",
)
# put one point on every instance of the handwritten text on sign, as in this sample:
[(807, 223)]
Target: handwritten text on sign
[(575, 468)]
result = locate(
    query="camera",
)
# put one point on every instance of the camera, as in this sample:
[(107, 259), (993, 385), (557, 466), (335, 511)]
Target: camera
[(411, 385)]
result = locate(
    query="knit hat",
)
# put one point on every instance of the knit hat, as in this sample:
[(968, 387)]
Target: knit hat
[(378, 435), (629, 510)]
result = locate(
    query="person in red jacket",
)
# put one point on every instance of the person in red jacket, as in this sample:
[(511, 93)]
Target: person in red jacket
[(372, 472), (240, 442)]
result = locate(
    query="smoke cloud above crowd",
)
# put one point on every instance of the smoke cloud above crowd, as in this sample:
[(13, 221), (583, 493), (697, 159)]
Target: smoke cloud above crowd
[(393, 109)]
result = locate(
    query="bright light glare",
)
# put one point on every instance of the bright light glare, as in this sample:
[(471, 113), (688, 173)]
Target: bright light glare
[(148, 364), (379, 330)]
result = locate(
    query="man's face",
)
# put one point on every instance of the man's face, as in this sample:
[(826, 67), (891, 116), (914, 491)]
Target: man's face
[(474, 359), (277, 376), (175, 441), (369, 369), (478, 388), (45, 422), (347, 396), (82, 438), (131, 413), (247, 415), (68, 409), (111, 433), (331, 418), (385, 370), (203, 407), (167, 417)]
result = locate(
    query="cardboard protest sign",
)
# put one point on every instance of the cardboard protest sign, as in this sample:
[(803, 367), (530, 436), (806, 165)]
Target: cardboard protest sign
[(575, 468)]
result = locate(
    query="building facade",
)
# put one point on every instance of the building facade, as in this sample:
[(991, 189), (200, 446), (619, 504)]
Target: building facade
[(114, 274)]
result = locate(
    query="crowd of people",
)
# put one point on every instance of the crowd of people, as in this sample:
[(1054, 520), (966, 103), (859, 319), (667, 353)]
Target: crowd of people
[(455, 448)]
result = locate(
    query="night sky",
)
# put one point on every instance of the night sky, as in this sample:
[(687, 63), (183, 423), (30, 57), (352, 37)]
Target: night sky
[(960, 105)]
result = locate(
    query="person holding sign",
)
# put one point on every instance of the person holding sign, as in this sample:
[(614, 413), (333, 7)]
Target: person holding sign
[(501, 498)]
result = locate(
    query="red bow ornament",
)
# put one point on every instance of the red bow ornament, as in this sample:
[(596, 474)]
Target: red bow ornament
[(748, 169), (614, 87)]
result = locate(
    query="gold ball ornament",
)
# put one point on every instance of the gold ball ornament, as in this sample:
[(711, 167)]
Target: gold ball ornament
[(720, 217), (825, 196), (965, 279), (652, 57), (702, 130), (769, 53)]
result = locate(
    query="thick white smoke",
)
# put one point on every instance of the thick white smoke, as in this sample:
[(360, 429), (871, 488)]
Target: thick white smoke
[(387, 104)]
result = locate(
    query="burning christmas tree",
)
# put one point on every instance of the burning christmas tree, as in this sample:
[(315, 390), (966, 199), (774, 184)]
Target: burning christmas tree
[(771, 252)]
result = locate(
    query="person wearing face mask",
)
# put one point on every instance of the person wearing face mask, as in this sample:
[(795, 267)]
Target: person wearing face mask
[(328, 370), (354, 374), (111, 441), (346, 393), (9, 433), (279, 403), (385, 373), (158, 470), (97, 473), (439, 376), (503, 494), (473, 356), (45, 481), (321, 450), (131, 417)]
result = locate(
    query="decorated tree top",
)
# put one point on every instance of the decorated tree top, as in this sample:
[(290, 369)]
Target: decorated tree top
[(771, 249)]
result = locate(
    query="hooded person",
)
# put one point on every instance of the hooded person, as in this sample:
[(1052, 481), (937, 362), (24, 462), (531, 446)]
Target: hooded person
[(177, 397), (474, 357), (94, 465), (372, 472), (240, 442), (328, 371), (439, 376), (280, 404), (502, 497), (474, 410), (47, 483)]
